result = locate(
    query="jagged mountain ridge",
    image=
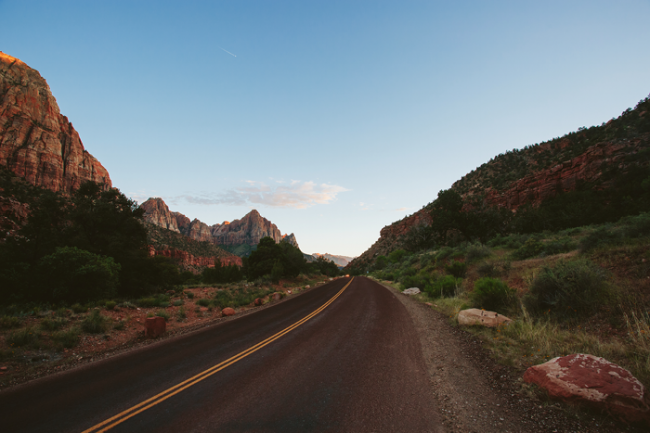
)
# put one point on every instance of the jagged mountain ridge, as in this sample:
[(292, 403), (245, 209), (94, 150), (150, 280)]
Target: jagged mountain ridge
[(339, 260), (37, 142), (240, 236), (595, 156)]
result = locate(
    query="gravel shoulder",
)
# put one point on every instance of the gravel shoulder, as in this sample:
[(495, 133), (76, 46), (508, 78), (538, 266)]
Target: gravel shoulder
[(475, 394)]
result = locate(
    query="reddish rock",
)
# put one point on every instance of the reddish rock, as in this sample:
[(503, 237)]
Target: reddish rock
[(36, 141), (186, 259), (154, 327), (248, 230), (277, 296), (227, 312), (258, 302), (594, 381), (157, 213)]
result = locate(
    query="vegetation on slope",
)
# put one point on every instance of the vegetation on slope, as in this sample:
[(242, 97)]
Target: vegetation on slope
[(579, 290)]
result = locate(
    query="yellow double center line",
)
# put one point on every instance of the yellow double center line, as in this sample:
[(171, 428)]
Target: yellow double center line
[(159, 398)]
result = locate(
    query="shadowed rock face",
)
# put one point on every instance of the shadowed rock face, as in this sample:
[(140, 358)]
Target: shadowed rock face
[(36, 141)]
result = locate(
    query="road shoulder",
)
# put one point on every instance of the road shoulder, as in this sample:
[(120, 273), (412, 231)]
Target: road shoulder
[(473, 392)]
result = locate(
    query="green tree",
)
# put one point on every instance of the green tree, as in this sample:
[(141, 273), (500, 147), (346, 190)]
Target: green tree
[(71, 274)]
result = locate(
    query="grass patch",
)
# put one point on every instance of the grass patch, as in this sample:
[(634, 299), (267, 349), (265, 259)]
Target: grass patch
[(164, 314), (66, 339), (52, 324), (23, 337), (10, 322), (95, 323)]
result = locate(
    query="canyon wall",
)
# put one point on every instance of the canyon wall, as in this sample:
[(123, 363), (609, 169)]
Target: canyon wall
[(36, 141)]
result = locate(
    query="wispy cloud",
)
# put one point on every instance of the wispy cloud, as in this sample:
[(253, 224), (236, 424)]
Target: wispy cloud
[(297, 194), (228, 52)]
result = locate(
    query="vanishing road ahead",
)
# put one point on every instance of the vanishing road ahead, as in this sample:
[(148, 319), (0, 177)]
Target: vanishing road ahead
[(353, 366)]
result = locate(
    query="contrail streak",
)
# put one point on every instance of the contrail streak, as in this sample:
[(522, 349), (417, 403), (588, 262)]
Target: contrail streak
[(229, 52)]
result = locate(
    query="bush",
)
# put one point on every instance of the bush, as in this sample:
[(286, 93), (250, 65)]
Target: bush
[(153, 301), (492, 294), (381, 262), (531, 248), (444, 253), (181, 314), (444, 287), (78, 308), (477, 251), (177, 303), (457, 269), (397, 256), (110, 305), (571, 288), (488, 269), (95, 323), (67, 339), (52, 324), (190, 295), (203, 302), (164, 314), (558, 246), (8, 322), (74, 274), (22, 337)]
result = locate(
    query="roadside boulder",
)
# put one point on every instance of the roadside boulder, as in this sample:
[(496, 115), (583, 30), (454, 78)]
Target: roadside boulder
[(593, 381), (258, 302), (277, 296), (227, 312), (474, 316), (154, 327), (411, 291)]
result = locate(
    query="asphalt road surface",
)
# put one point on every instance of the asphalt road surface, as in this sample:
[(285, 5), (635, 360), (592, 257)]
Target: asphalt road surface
[(355, 365)]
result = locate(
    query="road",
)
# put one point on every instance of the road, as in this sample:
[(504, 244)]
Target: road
[(354, 365)]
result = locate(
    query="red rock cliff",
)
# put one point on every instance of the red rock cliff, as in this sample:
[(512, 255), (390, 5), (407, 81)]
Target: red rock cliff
[(36, 141), (248, 230)]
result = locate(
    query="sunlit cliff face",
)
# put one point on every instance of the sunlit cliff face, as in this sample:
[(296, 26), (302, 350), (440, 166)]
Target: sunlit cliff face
[(225, 223)]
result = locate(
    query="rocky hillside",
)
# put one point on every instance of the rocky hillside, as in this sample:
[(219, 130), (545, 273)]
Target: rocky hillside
[(189, 253), (591, 159), (339, 260), (239, 236), (37, 142)]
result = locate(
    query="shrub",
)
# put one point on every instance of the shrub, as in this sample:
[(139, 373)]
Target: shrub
[(444, 253), (203, 302), (492, 294), (74, 274), (415, 281), (397, 256), (381, 262), (190, 295), (95, 323), (181, 313), (177, 303), (488, 269), (164, 314), (531, 248), (570, 288), (8, 322), (78, 308), (558, 246), (457, 269), (67, 339), (477, 251), (127, 304), (153, 301), (52, 324), (110, 305), (444, 287), (22, 337)]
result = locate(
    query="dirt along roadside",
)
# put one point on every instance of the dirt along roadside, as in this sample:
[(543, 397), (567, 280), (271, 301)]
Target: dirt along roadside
[(31, 363), (476, 394)]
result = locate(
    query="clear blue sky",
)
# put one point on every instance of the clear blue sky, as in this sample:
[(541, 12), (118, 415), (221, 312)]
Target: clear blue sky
[(332, 118)]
